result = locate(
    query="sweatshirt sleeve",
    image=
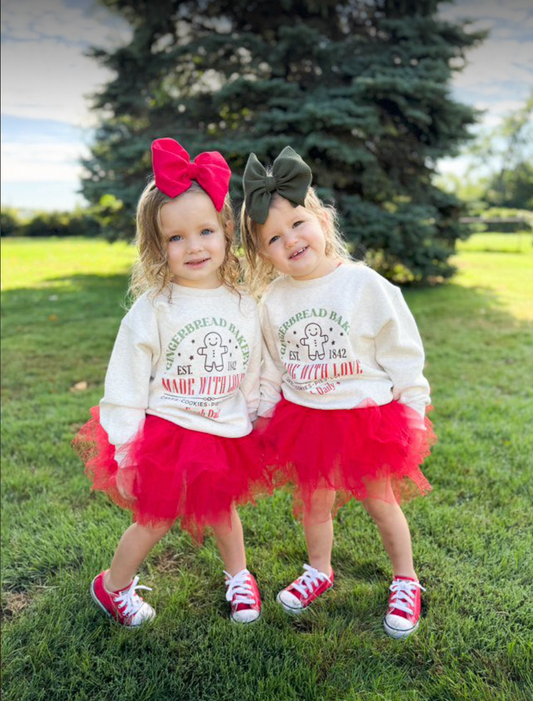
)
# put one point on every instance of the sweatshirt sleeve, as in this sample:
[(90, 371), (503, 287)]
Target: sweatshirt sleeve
[(250, 384), (400, 352), (127, 382), (271, 369)]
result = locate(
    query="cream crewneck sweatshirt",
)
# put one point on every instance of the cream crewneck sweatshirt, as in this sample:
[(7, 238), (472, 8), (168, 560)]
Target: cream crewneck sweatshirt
[(190, 356), (338, 340)]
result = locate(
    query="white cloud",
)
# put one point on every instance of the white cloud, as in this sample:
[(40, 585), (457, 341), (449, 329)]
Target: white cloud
[(489, 121), (497, 62), (516, 11), (454, 166), (39, 19), (22, 162), (45, 74), (504, 32), (49, 80), (46, 195), (502, 107), (499, 71)]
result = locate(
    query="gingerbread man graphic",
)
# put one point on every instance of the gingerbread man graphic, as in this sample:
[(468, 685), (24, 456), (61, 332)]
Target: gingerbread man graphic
[(314, 340), (213, 351)]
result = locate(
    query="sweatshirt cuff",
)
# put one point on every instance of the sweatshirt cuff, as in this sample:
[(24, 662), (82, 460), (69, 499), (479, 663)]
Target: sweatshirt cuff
[(266, 411), (420, 409), (121, 455)]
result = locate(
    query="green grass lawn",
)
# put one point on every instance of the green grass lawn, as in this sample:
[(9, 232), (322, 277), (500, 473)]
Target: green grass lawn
[(472, 535)]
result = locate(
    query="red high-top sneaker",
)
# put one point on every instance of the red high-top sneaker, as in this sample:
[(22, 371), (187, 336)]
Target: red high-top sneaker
[(125, 605), (403, 615), (303, 591), (243, 594)]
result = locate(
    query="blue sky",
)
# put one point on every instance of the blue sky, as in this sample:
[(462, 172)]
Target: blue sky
[(46, 81)]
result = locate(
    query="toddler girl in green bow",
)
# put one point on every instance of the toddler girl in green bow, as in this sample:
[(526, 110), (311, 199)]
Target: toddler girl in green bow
[(280, 203)]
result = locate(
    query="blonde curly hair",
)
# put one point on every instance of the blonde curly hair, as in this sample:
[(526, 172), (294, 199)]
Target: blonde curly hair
[(259, 272), (151, 270)]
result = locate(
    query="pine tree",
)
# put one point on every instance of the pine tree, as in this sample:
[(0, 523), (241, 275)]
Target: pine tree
[(360, 89)]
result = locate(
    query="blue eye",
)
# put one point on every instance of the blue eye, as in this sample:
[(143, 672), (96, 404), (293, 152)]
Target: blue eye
[(207, 231), (274, 238), (175, 238)]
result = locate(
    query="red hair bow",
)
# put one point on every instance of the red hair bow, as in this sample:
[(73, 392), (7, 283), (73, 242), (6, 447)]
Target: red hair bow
[(174, 171)]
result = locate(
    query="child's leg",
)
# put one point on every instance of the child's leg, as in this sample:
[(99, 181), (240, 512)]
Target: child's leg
[(230, 542), (403, 614), (241, 588), (132, 549), (318, 528), (395, 534)]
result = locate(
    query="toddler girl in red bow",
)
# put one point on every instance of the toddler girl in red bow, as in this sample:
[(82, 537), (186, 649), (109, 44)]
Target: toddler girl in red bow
[(171, 439)]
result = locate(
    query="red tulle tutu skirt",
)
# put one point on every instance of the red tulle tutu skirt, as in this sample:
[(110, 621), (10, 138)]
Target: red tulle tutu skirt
[(173, 473), (368, 452)]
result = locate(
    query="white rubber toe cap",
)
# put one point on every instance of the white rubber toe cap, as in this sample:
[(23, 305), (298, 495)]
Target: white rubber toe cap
[(398, 626), (245, 616), (144, 614), (289, 602)]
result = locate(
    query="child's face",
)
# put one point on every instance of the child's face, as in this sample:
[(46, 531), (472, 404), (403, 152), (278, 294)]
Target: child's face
[(195, 240), (293, 240)]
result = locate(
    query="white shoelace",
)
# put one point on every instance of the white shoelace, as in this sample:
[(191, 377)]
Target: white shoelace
[(309, 580), (404, 594), (130, 600), (240, 587)]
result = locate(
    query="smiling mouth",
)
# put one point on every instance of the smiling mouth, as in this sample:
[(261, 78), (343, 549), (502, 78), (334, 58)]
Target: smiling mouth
[(197, 263), (299, 253)]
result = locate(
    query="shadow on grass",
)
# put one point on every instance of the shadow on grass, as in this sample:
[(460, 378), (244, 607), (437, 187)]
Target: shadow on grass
[(465, 308), (61, 296), (59, 333), (512, 251), (111, 289)]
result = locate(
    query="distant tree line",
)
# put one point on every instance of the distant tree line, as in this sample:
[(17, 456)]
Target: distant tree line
[(500, 173), (80, 222), (90, 222)]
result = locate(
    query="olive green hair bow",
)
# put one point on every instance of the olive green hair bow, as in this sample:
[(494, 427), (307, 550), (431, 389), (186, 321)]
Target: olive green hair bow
[(291, 178)]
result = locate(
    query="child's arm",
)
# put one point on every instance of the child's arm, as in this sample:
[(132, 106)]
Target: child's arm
[(271, 370), (123, 406), (400, 352)]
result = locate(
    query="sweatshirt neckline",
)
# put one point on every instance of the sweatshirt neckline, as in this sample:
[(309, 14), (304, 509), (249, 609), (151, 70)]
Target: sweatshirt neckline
[(317, 281), (198, 292)]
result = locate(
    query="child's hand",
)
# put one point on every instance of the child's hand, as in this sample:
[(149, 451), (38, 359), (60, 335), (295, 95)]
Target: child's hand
[(124, 486), (260, 424)]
